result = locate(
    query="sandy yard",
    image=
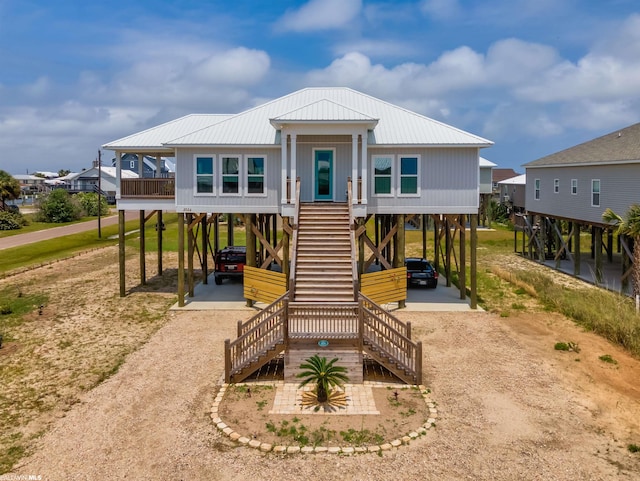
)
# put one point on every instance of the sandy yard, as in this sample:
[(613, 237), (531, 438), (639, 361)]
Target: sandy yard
[(509, 405)]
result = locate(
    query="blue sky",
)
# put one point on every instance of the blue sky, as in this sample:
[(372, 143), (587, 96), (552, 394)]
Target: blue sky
[(534, 76)]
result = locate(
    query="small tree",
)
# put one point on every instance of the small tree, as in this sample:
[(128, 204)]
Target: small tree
[(629, 226), (324, 374), (58, 206), (9, 188), (89, 203)]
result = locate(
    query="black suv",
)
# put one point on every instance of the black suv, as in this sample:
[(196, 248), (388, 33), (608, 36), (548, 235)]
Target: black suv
[(420, 272), (230, 263)]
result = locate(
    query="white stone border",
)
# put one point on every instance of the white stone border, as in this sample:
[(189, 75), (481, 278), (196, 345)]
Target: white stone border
[(280, 449)]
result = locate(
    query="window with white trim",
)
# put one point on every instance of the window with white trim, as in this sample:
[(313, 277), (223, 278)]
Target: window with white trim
[(595, 192), (574, 186), (382, 175), (556, 185), (230, 171), (204, 170), (536, 191), (255, 169), (409, 175)]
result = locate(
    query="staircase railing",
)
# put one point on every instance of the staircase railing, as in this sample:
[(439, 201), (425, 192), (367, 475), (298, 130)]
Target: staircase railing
[(352, 240), (294, 255), (390, 341), (328, 320), (256, 337)]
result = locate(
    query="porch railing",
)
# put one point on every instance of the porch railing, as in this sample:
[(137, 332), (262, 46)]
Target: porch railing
[(328, 321), (155, 188)]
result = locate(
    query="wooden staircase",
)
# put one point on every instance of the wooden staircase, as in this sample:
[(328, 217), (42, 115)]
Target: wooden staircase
[(324, 260)]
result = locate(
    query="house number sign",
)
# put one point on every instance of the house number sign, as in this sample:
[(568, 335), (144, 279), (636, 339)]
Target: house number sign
[(323, 343)]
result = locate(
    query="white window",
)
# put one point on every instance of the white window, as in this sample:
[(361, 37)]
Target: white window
[(536, 192), (574, 186), (409, 169), (382, 175), (255, 172), (230, 171), (556, 185), (204, 170), (595, 192)]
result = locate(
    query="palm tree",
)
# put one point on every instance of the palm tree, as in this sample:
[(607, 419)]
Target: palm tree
[(324, 374), (629, 226), (9, 188)]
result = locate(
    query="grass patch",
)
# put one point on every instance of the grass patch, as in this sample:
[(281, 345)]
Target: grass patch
[(633, 448), (567, 346), (608, 359)]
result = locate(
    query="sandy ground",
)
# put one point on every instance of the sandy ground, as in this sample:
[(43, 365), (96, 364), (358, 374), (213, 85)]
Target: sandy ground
[(510, 407)]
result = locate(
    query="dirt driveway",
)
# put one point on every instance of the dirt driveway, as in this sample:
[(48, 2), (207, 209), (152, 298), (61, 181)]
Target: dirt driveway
[(510, 407)]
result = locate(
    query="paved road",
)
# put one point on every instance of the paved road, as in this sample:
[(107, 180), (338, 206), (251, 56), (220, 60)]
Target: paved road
[(46, 234)]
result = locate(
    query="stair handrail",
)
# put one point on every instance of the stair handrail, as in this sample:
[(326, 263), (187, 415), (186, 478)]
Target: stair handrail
[(263, 314), (388, 335), (352, 240), (294, 255), (266, 334)]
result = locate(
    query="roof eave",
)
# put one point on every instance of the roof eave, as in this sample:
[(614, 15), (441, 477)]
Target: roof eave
[(581, 164), (279, 124)]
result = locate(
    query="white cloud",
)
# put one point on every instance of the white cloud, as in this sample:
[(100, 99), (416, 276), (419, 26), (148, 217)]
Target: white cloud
[(39, 88), (317, 15), (378, 48), (440, 9)]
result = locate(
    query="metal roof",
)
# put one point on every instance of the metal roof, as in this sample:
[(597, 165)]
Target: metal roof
[(517, 180), (619, 146), (486, 163), (396, 125), (155, 137)]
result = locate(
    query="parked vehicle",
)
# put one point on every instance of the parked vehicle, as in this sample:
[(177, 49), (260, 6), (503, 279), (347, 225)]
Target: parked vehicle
[(229, 263), (420, 272)]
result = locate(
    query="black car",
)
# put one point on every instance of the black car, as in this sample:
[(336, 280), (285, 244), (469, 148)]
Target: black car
[(230, 263), (420, 272)]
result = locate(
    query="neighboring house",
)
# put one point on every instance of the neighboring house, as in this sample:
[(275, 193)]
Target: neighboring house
[(577, 185), (512, 193), (149, 165), (31, 184), (486, 188), (87, 181), (321, 161), (498, 175)]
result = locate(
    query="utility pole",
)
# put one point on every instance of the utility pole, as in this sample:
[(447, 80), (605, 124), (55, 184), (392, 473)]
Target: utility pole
[(99, 193)]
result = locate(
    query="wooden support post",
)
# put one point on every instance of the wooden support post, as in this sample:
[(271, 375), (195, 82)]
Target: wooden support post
[(143, 267), (249, 221), (558, 243), (400, 248), (181, 259), (424, 236), (598, 254), (436, 244), (230, 220), (447, 246), (274, 229), (462, 275), (543, 239), (376, 231), (285, 248), (361, 223), (160, 234), (419, 362), (190, 252), (121, 252), (205, 246), (474, 262), (609, 245), (227, 361), (576, 250), (216, 235)]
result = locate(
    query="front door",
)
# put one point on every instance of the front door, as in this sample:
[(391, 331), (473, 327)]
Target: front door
[(323, 165)]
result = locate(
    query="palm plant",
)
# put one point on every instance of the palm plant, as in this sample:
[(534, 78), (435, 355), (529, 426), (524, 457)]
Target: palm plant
[(629, 226), (324, 374)]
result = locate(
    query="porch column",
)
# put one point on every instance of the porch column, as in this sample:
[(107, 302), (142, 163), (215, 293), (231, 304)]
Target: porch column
[(364, 168), (354, 166), (143, 269), (283, 148), (158, 166), (294, 174), (474, 246), (462, 275), (118, 173)]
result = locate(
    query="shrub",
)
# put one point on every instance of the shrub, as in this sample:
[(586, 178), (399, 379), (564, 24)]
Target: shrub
[(11, 220), (89, 203), (58, 206)]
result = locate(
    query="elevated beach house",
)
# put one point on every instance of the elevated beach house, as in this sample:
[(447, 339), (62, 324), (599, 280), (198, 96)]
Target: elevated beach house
[(317, 165), (573, 187)]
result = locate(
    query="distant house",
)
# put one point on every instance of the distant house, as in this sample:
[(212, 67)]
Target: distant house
[(499, 175), (486, 187), (87, 181), (512, 193), (131, 163), (577, 184), (31, 184)]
